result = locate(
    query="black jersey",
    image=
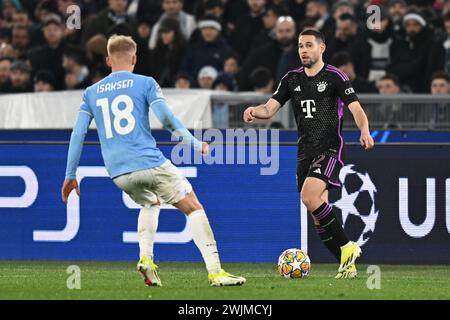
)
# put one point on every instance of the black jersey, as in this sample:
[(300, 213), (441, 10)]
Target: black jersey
[(318, 104)]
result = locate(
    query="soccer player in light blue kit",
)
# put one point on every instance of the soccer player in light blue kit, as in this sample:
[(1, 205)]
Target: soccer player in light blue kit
[(120, 104)]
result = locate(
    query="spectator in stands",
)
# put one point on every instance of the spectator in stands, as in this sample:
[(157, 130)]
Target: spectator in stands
[(182, 81), (44, 81), (234, 11), (77, 72), (19, 78), (22, 18), (440, 83), (212, 49), (445, 7), (210, 7), (410, 53), (98, 72), (371, 53), (5, 35), (306, 24), (174, 9), (389, 112), (5, 70), (289, 57), (144, 30), (96, 50), (343, 61), (405, 44), (389, 84), (296, 9), (428, 11), (206, 77), (144, 59), (44, 9), (63, 6), (445, 48), (397, 9), (247, 27), (224, 82), (50, 55), (9, 8), (438, 55), (231, 67), (269, 55), (166, 58), (267, 34), (92, 7), (231, 64), (137, 9), (345, 35), (262, 81), (21, 40), (7, 51), (318, 11), (342, 7), (215, 8), (114, 15)]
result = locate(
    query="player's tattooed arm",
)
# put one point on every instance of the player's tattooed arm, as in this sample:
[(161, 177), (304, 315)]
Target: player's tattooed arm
[(263, 111), (362, 122)]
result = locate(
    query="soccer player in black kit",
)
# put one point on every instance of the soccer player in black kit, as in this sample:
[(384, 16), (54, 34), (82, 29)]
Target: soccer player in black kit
[(318, 93)]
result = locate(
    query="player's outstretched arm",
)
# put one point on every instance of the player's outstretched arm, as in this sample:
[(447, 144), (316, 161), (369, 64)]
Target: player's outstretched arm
[(73, 158), (263, 111), (362, 122), (171, 123)]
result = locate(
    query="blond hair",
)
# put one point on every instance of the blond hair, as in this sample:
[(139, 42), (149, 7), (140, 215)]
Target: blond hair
[(121, 46)]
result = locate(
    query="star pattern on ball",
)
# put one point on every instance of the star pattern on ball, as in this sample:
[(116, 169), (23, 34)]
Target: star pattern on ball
[(293, 267), (296, 265)]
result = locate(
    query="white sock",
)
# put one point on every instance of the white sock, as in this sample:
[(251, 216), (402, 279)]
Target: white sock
[(147, 225), (204, 240)]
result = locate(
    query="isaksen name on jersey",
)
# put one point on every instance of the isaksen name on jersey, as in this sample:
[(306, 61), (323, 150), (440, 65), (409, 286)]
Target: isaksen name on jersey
[(123, 84)]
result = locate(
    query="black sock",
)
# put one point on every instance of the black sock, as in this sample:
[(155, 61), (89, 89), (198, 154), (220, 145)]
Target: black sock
[(328, 220), (329, 242)]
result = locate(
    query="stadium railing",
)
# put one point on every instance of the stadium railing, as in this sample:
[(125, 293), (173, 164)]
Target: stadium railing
[(406, 112), (402, 112)]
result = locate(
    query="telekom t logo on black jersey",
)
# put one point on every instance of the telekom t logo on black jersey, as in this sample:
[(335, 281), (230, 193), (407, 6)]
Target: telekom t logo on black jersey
[(308, 106)]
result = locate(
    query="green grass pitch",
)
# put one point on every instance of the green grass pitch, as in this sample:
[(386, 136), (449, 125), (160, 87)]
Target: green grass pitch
[(119, 280)]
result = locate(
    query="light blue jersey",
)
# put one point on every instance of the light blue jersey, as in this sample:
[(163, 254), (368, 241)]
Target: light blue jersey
[(120, 105)]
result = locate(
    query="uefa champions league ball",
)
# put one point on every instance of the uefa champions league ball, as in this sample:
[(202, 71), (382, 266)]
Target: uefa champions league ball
[(294, 263)]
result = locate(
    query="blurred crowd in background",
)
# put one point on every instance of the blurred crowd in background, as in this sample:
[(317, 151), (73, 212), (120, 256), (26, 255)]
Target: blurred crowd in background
[(228, 45)]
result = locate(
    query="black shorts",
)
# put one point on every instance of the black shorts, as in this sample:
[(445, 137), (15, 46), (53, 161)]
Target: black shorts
[(325, 168)]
